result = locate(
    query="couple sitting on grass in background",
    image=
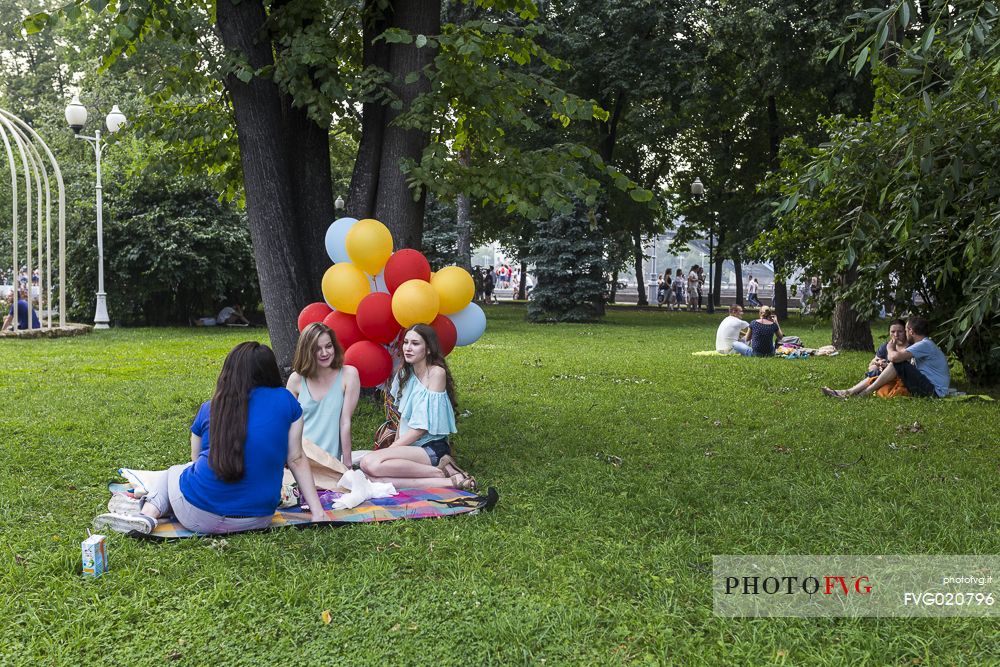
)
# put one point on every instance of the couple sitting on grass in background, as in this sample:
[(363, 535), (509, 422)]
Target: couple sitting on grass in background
[(253, 427), (908, 364), (760, 337)]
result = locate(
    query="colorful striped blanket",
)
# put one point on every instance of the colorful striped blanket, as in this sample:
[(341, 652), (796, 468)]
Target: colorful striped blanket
[(406, 504)]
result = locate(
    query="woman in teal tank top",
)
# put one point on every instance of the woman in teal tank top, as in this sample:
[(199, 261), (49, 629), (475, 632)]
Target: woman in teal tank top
[(420, 456), (326, 389)]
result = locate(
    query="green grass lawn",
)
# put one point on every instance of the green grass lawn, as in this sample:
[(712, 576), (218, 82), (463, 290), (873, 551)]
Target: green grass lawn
[(582, 562)]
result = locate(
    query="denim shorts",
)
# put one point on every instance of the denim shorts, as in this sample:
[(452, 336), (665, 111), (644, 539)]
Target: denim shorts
[(436, 449)]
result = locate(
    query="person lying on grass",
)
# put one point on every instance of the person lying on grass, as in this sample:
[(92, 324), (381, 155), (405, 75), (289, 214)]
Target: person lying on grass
[(235, 483), (927, 375), (897, 334), (327, 390), (420, 456)]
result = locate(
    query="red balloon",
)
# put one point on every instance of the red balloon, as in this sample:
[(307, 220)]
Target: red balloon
[(346, 328), (314, 312), (406, 264), (375, 318), (447, 333), (372, 361)]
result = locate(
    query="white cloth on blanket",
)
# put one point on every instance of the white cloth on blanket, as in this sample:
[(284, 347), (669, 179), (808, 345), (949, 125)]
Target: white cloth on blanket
[(361, 489), (143, 480)]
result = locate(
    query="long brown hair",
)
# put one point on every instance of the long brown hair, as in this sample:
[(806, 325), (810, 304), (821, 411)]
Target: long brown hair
[(247, 366), (434, 358), (304, 361)]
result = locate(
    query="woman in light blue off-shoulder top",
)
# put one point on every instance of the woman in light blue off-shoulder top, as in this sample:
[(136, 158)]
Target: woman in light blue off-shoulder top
[(420, 456)]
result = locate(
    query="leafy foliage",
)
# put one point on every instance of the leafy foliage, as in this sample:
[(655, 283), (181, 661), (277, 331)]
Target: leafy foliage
[(173, 251), (912, 196)]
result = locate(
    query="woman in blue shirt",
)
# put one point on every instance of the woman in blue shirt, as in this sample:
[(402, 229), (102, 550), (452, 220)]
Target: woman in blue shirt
[(420, 456), (235, 482), (763, 332)]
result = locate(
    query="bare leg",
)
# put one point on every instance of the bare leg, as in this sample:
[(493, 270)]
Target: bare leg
[(884, 378), (417, 483), (858, 388), (406, 462)]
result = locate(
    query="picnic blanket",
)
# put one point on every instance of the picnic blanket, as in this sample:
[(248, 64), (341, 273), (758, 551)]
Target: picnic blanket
[(406, 504)]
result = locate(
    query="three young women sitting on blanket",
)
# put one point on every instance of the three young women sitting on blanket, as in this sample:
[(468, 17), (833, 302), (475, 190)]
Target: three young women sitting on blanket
[(234, 484)]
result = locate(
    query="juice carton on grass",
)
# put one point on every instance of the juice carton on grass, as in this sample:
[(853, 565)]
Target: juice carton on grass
[(95, 556)]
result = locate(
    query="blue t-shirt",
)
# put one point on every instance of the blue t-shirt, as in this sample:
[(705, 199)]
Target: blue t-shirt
[(22, 315), (932, 364), (271, 413), (883, 351)]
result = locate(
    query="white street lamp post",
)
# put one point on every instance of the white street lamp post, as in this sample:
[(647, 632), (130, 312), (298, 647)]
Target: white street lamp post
[(697, 191), (76, 117)]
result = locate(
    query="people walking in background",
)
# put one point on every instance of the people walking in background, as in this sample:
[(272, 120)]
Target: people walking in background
[(752, 292), (815, 289), (490, 285), (805, 296), (692, 288), (662, 288), (678, 288), (701, 283)]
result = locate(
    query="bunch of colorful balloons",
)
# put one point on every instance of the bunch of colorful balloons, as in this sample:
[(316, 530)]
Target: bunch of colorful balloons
[(372, 293)]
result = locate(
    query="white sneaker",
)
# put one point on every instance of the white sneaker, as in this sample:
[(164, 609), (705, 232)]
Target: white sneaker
[(122, 503), (126, 523)]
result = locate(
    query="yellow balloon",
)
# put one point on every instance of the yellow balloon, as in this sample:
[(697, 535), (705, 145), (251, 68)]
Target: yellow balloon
[(344, 285), (454, 287), (415, 302), (369, 245)]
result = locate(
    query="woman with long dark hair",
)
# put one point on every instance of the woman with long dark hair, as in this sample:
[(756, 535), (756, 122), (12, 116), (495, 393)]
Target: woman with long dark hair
[(420, 456), (244, 437)]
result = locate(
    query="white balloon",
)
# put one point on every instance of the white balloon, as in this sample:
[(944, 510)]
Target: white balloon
[(378, 282), (470, 323), (336, 239)]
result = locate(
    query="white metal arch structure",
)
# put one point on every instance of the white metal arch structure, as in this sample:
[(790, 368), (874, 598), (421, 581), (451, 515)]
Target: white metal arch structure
[(29, 157)]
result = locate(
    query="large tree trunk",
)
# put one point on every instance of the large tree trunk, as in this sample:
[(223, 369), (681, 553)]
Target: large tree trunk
[(364, 178), (850, 331), (638, 256), (264, 150), (309, 158), (401, 210), (463, 221), (522, 287), (780, 298)]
